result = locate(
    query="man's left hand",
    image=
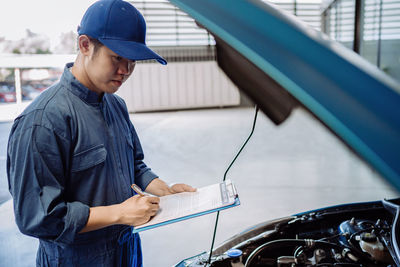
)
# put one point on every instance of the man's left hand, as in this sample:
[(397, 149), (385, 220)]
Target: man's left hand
[(179, 188), (159, 188)]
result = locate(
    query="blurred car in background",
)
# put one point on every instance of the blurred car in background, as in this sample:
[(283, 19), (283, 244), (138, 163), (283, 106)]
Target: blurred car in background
[(6, 95), (39, 86), (29, 92)]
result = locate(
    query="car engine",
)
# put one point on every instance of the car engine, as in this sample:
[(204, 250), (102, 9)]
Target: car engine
[(362, 234), (355, 243)]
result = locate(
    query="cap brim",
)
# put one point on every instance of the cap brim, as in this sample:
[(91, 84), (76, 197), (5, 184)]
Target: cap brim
[(132, 50)]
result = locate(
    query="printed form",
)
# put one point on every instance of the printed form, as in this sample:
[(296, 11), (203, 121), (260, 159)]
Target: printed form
[(181, 206)]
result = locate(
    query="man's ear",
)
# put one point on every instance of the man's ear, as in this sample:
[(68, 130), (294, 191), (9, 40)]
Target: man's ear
[(84, 44)]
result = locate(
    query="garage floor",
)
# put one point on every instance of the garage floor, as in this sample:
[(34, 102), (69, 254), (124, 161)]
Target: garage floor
[(284, 170)]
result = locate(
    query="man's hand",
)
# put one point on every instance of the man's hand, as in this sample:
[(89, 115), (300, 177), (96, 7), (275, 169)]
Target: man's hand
[(134, 211), (159, 188), (138, 210), (179, 188)]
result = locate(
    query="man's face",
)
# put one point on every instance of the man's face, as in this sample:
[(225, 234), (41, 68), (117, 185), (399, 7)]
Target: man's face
[(106, 70)]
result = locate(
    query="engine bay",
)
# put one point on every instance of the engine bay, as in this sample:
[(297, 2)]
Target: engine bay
[(362, 234)]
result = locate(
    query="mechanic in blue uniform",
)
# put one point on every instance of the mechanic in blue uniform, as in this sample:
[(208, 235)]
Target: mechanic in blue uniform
[(74, 153)]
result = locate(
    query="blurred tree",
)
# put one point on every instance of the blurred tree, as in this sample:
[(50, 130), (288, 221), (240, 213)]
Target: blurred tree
[(5, 73), (67, 43), (10, 77), (16, 51), (40, 51), (33, 43)]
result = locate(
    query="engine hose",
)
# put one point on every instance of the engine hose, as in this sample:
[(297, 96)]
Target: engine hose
[(296, 242)]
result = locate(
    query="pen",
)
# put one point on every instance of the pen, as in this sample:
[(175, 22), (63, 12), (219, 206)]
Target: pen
[(137, 190)]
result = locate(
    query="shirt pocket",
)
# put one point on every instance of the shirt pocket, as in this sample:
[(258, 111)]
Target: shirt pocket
[(88, 158)]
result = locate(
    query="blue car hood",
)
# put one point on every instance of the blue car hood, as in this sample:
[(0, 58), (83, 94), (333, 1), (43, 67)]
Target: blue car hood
[(280, 63)]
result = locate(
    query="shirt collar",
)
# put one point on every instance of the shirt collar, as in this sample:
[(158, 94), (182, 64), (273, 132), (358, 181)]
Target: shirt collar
[(78, 88)]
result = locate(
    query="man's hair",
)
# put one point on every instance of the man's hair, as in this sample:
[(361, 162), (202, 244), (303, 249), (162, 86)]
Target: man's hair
[(97, 44)]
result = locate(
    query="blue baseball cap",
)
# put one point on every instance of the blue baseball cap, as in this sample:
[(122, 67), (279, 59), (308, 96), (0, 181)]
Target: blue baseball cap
[(119, 26)]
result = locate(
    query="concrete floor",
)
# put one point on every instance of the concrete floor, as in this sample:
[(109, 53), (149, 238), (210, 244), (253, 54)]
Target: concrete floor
[(284, 170)]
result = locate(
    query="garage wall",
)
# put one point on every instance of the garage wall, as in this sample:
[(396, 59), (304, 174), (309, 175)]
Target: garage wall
[(178, 85)]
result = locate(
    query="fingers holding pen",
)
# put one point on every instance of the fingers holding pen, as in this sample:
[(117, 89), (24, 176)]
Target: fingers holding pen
[(154, 204), (153, 200), (150, 208), (138, 209), (140, 193), (150, 203)]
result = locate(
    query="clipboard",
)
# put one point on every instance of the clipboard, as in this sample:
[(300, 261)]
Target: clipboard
[(183, 206)]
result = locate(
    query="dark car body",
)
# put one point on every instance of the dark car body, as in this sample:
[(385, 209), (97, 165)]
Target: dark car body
[(282, 64)]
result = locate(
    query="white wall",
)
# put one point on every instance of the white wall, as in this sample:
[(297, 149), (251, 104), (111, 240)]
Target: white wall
[(178, 85)]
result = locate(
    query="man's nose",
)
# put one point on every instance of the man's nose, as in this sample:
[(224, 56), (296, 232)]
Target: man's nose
[(125, 67)]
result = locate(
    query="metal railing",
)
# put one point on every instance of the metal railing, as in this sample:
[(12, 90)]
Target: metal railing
[(307, 11), (370, 27), (338, 20), (167, 26), (378, 20)]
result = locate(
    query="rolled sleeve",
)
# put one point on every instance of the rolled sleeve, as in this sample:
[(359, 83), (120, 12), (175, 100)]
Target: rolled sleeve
[(75, 220), (144, 180)]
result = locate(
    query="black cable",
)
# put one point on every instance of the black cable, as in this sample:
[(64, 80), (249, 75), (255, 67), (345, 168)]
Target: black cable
[(226, 172), (330, 237)]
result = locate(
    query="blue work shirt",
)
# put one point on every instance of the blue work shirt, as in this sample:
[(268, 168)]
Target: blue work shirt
[(68, 151)]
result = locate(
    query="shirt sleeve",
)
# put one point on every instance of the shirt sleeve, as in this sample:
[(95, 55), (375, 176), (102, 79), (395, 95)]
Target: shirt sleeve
[(143, 174), (37, 159)]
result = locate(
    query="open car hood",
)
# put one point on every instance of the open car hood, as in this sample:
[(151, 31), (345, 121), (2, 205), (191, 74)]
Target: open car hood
[(280, 63)]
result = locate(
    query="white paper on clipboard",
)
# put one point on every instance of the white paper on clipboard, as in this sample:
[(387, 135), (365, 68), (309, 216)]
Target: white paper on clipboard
[(186, 205)]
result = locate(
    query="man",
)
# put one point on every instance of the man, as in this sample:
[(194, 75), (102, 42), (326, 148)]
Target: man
[(73, 153)]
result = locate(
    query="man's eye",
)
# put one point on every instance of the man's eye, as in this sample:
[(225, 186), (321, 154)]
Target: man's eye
[(118, 58)]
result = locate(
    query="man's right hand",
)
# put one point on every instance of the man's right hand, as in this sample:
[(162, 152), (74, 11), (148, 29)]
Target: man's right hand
[(134, 211), (138, 209)]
